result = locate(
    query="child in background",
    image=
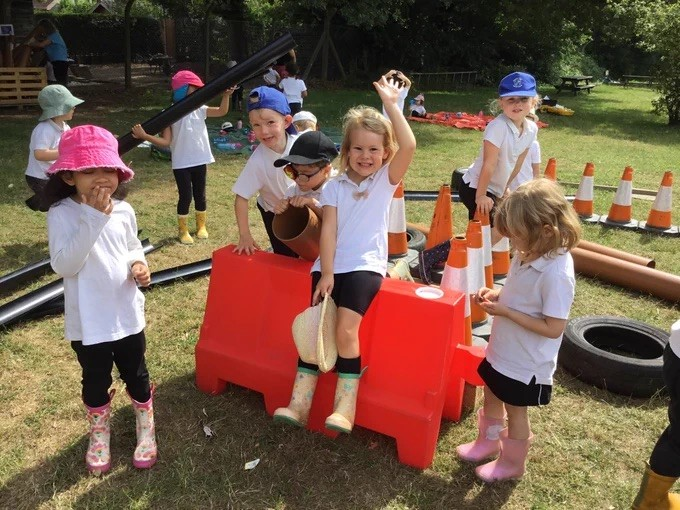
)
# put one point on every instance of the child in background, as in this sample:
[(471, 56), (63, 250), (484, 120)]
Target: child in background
[(237, 96), (270, 119), (94, 248), (58, 106), (507, 139), (190, 148), (309, 165), (402, 80), (530, 312), (294, 88), (375, 155), (418, 107), (304, 121), (663, 468), (271, 78)]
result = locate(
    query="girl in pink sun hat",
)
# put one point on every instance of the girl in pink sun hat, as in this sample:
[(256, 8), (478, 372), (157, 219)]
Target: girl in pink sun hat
[(94, 248), (189, 144)]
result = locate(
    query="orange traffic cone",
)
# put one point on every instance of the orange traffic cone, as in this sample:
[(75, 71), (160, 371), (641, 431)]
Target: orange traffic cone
[(621, 209), (551, 170), (397, 241), (500, 257), (583, 203), (486, 248), (455, 278), (441, 227), (659, 219), (475, 269)]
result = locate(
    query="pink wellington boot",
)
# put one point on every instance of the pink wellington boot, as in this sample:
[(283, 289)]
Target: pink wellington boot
[(146, 450), (98, 456), (512, 462), (487, 444)]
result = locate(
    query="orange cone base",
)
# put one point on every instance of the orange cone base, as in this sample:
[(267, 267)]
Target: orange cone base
[(632, 224), (672, 231)]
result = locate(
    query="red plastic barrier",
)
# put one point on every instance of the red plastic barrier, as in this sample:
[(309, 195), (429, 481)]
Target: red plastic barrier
[(406, 342), (466, 359)]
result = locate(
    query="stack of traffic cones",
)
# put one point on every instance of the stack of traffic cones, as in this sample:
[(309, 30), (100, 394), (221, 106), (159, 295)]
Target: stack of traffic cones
[(397, 240), (621, 210), (551, 170), (455, 278), (659, 219), (441, 228), (476, 278), (486, 248), (583, 203)]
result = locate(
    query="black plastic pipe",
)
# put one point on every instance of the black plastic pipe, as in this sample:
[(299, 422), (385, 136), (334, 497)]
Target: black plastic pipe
[(46, 298), (427, 196), (15, 279), (240, 72)]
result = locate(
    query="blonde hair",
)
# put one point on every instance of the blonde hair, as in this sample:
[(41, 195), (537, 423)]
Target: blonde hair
[(532, 207), (370, 119), (301, 125), (494, 105)]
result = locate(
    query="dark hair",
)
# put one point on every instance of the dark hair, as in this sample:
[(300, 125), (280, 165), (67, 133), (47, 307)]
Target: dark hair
[(57, 189), (47, 25), (292, 68)]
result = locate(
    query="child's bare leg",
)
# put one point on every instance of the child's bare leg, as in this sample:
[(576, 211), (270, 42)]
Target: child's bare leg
[(347, 333), (518, 422), (493, 406)]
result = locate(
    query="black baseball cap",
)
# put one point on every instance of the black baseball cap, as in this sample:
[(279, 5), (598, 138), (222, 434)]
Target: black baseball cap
[(310, 147)]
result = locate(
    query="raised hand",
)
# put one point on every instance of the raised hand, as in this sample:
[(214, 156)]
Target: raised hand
[(100, 199)]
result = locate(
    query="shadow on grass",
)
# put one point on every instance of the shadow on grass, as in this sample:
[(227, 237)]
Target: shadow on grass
[(298, 469)]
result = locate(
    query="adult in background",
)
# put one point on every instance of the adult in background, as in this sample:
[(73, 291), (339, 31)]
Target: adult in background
[(280, 65), (47, 37)]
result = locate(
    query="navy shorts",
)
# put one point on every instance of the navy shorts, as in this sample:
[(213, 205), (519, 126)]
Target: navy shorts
[(467, 196), (354, 290), (511, 391)]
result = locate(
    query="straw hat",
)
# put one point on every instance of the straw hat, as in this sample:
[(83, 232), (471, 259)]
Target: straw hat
[(314, 334)]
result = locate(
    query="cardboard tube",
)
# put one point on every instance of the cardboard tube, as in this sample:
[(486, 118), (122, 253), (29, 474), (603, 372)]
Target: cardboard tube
[(299, 228), (617, 254), (627, 274)]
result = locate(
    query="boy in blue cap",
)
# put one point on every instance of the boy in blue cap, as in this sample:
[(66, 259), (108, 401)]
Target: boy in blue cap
[(270, 119), (506, 143)]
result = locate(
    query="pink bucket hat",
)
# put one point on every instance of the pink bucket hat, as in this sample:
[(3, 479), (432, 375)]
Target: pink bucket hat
[(89, 147), (182, 78)]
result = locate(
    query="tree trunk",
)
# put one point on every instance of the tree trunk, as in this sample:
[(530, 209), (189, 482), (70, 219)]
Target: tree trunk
[(128, 45), (206, 47)]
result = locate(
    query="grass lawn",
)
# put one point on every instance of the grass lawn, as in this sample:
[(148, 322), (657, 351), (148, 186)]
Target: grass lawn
[(590, 445)]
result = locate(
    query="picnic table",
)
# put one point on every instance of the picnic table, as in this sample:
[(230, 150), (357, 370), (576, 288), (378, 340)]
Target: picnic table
[(575, 83)]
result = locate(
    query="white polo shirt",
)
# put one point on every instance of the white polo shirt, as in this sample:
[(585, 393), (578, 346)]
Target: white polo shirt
[(503, 133), (363, 216), (190, 144), (261, 176), (526, 173), (542, 288), (293, 89), (45, 135)]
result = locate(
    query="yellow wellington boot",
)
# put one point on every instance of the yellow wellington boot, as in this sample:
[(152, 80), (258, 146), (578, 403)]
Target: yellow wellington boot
[(201, 231), (345, 403), (654, 495), (297, 411), (184, 236)]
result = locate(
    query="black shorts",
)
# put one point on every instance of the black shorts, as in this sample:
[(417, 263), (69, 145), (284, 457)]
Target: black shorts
[(511, 391), (354, 290), (467, 196)]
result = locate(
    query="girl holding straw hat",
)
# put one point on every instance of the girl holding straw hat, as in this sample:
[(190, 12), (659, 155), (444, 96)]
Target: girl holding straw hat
[(374, 157)]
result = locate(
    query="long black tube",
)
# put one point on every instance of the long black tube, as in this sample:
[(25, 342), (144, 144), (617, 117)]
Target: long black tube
[(427, 196), (45, 298), (192, 270), (229, 78), (15, 279)]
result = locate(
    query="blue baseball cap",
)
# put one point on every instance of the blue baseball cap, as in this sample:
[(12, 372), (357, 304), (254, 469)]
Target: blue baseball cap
[(267, 97), (517, 84)]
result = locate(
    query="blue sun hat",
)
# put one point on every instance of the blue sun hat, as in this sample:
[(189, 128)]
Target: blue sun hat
[(517, 84), (56, 100)]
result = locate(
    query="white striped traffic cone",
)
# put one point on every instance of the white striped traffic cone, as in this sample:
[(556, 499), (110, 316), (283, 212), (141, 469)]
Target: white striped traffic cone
[(621, 210), (475, 269), (486, 248), (455, 278), (583, 203), (500, 256), (659, 219), (397, 240)]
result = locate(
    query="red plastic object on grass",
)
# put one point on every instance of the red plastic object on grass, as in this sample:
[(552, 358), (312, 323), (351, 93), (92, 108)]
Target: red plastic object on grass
[(408, 338)]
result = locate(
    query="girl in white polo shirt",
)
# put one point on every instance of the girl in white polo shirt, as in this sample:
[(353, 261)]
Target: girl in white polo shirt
[(374, 156), (190, 147), (530, 313), (507, 139)]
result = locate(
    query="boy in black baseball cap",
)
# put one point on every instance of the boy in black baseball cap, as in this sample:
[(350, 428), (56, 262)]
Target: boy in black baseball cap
[(309, 164)]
